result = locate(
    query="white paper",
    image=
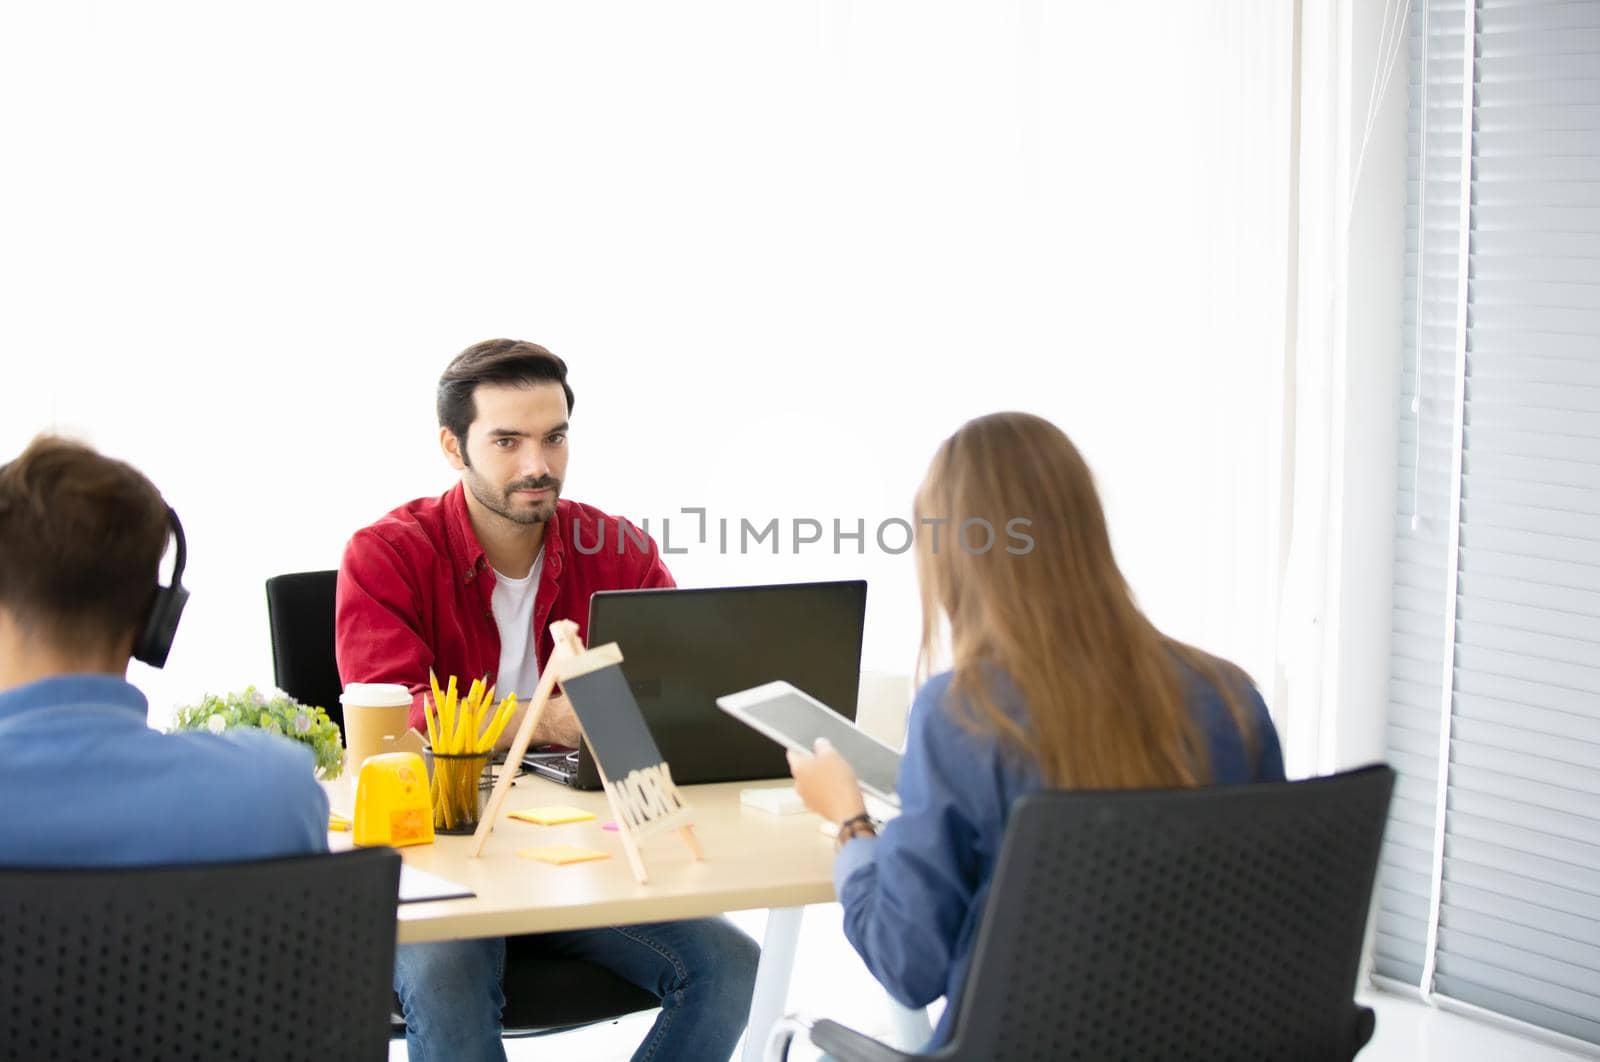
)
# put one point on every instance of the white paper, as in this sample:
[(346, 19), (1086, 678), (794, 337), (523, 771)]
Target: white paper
[(419, 885)]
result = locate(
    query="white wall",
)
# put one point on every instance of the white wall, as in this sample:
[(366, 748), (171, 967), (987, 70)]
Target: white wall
[(784, 248)]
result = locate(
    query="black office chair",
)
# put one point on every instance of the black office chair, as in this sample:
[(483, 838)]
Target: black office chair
[(1222, 923), (280, 959), (543, 994), (300, 615)]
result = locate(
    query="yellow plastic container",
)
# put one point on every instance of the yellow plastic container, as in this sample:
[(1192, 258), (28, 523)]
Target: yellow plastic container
[(392, 802)]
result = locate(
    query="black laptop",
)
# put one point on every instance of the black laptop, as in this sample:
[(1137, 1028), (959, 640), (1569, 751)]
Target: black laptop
[(682, 649)]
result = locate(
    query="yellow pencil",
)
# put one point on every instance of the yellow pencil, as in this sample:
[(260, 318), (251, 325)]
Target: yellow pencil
[(447, 718), (507, 710), (438, 694), (458, 743), (477, 712), (486, 717), (427, 717)]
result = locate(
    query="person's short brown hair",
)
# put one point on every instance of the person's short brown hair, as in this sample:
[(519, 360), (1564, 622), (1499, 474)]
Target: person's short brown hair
[(81, 541), (506, 362)]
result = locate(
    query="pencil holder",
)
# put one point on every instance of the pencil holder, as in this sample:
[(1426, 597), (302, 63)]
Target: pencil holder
[(458, 783)]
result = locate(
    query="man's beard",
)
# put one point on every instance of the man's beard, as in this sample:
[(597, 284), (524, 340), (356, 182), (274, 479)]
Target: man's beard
[(502, 502)]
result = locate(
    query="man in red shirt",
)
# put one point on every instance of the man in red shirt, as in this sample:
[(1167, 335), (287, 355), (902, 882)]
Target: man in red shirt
[(468, 584)]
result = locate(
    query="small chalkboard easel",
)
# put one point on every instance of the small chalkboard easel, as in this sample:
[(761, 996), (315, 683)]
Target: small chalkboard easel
[(643, 798)]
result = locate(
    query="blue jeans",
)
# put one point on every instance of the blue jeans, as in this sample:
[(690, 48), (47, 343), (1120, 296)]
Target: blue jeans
[(703, 972)]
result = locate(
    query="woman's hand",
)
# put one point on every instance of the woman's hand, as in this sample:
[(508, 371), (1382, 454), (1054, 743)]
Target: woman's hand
[(827, 783)]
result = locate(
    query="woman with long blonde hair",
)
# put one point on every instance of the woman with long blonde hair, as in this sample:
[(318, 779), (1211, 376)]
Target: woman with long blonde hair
[(1057, 681)]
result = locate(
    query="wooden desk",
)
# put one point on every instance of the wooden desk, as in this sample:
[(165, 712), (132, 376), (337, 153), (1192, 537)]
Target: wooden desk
[(752, 860)]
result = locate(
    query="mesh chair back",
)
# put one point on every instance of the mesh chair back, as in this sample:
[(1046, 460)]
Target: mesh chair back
[(283, 959), (1221, 923), (300, 614)]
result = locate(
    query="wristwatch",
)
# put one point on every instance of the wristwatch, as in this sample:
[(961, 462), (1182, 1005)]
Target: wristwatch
[(862, 825)]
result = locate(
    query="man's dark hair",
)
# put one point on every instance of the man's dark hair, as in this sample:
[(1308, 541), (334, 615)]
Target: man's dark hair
[(81, 540), (505, 362)]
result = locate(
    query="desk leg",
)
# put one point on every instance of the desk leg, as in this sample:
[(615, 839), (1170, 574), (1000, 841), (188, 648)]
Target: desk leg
[(911, 1028), (773, 974)]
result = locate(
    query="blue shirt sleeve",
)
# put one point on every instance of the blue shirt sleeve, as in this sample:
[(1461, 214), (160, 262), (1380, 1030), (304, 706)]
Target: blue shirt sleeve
[(908, 895), (1269, 753)]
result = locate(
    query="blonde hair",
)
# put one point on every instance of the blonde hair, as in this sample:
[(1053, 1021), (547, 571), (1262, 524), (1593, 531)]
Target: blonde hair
[(1105, 694)]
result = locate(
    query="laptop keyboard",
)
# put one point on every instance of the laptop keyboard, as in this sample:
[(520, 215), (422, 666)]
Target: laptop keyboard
[(557, 766)]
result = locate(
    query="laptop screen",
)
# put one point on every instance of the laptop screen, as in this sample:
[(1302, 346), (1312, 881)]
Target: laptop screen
[(682, 649)]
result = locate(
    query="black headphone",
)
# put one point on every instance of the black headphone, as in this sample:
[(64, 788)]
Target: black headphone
[(155, 641)]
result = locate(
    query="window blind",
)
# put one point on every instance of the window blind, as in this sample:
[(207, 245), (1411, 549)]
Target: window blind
[(1435, 265), (1512, 918)]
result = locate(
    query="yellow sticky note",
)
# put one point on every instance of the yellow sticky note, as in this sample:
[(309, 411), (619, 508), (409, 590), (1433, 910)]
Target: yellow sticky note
[(562, 854), (554, 815)]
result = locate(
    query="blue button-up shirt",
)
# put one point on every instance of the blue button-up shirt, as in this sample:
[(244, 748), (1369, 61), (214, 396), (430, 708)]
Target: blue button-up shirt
[(85, 782), (913, 896)]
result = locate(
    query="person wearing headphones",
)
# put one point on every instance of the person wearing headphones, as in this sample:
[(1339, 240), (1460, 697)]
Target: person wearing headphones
[(1058, 681), (86, 781)]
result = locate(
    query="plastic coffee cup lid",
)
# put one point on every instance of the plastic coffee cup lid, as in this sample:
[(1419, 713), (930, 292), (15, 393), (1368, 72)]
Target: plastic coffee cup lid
[(375, 695)]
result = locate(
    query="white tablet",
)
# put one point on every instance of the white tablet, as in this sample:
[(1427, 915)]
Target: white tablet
[(795, 720)]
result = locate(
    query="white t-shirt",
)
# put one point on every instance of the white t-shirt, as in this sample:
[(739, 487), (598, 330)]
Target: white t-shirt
[(512, 605)]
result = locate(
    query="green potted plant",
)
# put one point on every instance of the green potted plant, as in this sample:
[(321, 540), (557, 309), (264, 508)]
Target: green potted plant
[(275, 712)]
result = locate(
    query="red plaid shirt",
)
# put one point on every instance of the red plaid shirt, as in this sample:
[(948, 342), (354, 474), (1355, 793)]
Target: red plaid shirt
[(414, 590)]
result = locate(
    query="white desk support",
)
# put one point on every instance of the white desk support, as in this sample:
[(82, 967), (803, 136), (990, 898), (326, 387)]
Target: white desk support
[(773, 974)]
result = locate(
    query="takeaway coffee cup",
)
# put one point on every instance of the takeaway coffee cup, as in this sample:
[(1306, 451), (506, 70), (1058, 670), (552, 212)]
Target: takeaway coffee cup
[(377, 716)]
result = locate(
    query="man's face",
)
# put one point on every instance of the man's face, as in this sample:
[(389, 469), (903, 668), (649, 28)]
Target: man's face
[(516, 450)]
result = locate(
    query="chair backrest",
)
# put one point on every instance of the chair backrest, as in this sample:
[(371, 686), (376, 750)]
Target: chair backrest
[(278, 959), (300, 614), (1220, 923)]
